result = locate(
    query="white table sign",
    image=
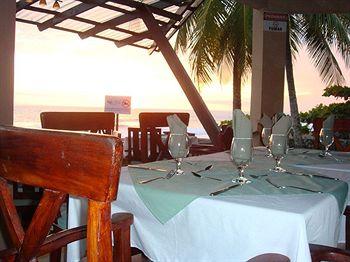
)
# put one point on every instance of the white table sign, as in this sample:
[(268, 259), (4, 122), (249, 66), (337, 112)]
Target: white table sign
[(118, 104), (274, 22)]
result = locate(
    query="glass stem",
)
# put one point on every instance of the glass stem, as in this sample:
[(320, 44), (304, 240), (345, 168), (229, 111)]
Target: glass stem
[(278, 162), (241, 171), (178, 164)]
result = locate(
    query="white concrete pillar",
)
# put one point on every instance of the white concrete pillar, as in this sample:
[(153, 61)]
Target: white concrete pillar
[(269, 55), (7, 52)]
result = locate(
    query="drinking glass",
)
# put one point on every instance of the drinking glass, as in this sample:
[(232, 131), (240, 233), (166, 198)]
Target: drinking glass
[(278, 147), (326, 139), (265, 137), (241, 155), (179, 148)]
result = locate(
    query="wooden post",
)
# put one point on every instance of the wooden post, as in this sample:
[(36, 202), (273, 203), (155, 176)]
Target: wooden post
[(7, 50), (199, 107), (269, 54)]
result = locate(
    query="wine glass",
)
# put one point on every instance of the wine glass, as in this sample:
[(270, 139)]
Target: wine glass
[(265, 136), (278, 147), (179, 148), (241, 155), (326, 139)]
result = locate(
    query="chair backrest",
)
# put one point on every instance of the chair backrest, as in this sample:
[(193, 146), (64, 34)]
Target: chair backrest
[(96, 122), (85, 165), (158, 119), (152, 148), (325, 253), (270, 257)]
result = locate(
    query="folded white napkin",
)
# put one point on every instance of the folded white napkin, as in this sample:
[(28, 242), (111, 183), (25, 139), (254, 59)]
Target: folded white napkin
[(266, 121), (242, 127), (329, 122), (282, 126), (176, 126), (277, 117)]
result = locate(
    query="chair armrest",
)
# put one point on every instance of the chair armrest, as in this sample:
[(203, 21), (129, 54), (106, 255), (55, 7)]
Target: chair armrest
[(325, 253), (8, 254), (61, 239), (347, 227), (121, 223)]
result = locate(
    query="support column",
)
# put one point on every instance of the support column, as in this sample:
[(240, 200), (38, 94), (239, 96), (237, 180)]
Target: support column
[(198, 105), (7, 49), (269, 54)]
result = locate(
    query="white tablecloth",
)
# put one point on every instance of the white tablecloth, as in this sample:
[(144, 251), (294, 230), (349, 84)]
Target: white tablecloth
[(233, 228)]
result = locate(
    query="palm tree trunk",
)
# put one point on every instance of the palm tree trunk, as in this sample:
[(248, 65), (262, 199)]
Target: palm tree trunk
[(298, 142), (237, 80)]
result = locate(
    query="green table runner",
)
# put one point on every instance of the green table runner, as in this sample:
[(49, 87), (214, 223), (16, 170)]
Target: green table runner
[(165, 198)]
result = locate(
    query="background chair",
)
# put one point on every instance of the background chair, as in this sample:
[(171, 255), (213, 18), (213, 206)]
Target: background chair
[(62, 163), (95, 122), (323, 253), (151, 147)]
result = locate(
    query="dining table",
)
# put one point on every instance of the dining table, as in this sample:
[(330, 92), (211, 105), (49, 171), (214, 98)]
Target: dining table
[(177, 219)]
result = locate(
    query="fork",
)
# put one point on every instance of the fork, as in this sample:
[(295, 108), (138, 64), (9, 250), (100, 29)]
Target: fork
[(168, 176), (297, 187)]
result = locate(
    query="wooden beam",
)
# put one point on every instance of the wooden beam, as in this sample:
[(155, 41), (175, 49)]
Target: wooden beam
[(7, 57), (200, 108), (133, 39), (109, 24), (74, 11), (125, 18), (23, 4), (155, 8)]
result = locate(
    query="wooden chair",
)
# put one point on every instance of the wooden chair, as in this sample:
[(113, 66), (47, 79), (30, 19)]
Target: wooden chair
[(340, 125), (85, 165), (323, 253), (150, 124), (95, 122), (270, 257)]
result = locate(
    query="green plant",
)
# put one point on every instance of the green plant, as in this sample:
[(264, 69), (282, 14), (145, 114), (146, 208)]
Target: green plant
[(337, 91), (340, 110)]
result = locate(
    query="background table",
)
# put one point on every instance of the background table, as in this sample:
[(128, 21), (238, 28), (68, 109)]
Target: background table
[(233, 228)]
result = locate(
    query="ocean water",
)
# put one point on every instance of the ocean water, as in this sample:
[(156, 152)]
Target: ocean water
[(29, 116)]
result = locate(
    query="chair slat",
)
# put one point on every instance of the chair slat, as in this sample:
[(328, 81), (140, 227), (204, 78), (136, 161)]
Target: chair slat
[(41, 223), (9, 213)]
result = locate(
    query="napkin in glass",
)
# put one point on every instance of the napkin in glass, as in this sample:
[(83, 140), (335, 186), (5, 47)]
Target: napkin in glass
[(277, 117), (282, 126), (176, 126), (242, 126), (329, 122), (266, 121)]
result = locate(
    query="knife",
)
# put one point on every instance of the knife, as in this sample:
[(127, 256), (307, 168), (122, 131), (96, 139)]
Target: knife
[(148, 168), (312, 175), (223, 190)]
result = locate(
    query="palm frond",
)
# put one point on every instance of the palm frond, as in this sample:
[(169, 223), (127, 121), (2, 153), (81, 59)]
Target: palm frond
[(319, 32)]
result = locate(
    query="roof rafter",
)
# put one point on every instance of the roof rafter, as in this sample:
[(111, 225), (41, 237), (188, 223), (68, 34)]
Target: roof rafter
[(74, 11), (23, 4), (127, 17)]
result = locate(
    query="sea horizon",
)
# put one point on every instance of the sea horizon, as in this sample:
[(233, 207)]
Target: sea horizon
[(29, 116)]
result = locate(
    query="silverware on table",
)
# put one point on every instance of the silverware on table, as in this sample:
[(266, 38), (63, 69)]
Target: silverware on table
[(148, 168), (311, 175), (297, 187), (208, 177), (168, 176), (322, 155), (257, 177), (204, 169), (223, 189)]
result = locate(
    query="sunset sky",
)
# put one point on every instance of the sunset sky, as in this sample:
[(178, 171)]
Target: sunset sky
[(57, 68)]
